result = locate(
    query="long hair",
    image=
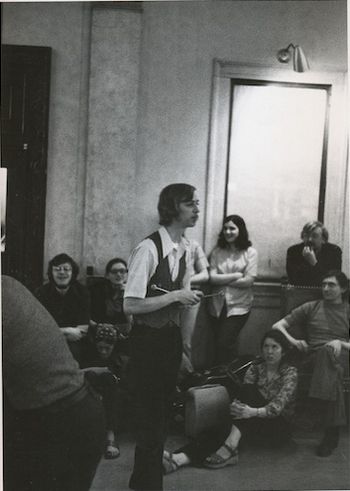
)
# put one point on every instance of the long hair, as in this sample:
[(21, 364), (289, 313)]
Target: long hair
[(170, 198), (61, 259), (242, 242)]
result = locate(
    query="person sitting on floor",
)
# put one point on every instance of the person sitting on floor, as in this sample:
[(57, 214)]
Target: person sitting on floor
[(262, 409), (308, 261), (107, 300), (326, 352), (67, 300), (105, 369)]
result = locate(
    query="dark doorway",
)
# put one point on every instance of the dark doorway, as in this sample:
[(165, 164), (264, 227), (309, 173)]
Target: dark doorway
[(25, 83)]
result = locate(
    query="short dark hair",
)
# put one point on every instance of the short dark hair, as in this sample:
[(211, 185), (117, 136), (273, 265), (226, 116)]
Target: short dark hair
[(169, 199), (60, 259), (242, 242), (339, 276), (114, 261), (277, 336)]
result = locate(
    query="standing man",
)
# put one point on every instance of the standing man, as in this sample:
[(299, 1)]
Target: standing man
[(326, 347), (158, 287)]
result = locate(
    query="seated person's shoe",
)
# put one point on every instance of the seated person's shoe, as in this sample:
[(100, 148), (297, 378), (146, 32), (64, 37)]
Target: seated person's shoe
[(112, 450), (216, 461), (169, 464)]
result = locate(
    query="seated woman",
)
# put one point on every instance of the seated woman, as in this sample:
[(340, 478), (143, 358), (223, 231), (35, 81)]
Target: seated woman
[(105, 371), (262, 409), (107, 299)]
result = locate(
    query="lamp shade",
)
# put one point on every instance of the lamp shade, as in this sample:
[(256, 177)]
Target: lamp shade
[(300, 63)]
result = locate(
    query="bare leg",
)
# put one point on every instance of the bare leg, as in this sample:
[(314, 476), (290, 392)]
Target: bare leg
[(112, 449), (232, 441)]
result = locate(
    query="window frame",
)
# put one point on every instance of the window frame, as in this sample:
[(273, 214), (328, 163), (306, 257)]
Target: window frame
[(332, 192)]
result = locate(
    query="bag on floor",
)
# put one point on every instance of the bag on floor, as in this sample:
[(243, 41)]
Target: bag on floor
[(206, 407)]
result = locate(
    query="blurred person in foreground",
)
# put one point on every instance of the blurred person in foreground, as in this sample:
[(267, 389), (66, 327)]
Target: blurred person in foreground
[(53, 420)]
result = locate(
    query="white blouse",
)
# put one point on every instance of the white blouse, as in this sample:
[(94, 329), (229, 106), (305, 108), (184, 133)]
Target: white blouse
[(238, 300)]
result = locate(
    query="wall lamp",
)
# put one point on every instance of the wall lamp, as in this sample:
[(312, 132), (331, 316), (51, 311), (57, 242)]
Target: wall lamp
[(300, 63)]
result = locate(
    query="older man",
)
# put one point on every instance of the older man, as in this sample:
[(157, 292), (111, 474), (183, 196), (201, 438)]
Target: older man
[(308, 261), (326, 347)]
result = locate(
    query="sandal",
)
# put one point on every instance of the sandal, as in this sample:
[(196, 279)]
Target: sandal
[(112, 450), (215, 461), (169, 464)]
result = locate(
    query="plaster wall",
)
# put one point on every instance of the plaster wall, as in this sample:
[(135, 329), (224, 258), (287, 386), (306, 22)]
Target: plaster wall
[(178, 43), (63, 27), (112, 132)]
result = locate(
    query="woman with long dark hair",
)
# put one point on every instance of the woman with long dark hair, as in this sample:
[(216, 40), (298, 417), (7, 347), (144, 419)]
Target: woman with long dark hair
[(233, 268)]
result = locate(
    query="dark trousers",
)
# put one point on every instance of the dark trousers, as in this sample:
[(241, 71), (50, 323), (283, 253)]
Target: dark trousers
[(114, 398), (326, 383), (228, 329), (54, 449), (271, 431), (155, 357)]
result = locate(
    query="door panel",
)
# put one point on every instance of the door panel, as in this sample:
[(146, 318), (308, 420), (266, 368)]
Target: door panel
[(25, 81)]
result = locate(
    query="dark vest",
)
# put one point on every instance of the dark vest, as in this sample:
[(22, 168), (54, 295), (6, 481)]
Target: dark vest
[(162, 279)]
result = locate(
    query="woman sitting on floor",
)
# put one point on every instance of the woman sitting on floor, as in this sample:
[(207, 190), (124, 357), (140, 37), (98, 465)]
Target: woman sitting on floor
[(262, 409)]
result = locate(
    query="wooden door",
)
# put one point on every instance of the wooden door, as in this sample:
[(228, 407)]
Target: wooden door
[(25, 82)]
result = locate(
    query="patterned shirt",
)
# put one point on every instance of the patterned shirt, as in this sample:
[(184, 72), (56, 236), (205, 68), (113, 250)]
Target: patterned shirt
[(280, 391)]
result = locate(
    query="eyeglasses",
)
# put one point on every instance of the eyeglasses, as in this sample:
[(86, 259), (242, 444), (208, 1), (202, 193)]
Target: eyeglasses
[(66, 269), (119, 270)]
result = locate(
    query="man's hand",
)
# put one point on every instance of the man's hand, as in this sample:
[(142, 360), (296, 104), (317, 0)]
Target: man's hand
[(188, 297), (301, 345), (309, 255), (336, 346), (73, 333)]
